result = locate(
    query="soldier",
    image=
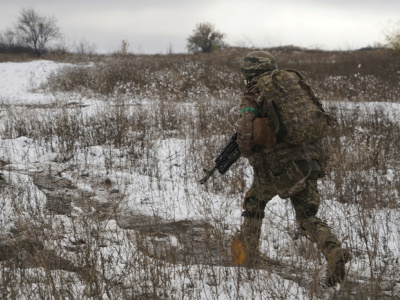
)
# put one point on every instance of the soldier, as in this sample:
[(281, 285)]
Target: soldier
[(281, 168)]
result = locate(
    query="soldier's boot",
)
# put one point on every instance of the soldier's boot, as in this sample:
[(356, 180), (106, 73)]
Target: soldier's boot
[(337, 259), (246, 242), (319, 232)]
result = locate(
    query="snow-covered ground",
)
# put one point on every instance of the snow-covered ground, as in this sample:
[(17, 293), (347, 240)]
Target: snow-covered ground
[(19, 80), (174, 195)]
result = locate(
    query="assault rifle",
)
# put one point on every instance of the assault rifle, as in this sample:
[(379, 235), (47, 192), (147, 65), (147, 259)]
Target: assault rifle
[(228, 156)]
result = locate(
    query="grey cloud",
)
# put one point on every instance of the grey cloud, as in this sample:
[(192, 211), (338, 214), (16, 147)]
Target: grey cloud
[(151, 25)]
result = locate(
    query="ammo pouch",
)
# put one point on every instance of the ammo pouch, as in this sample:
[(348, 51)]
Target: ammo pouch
[(264, 133), (291, 182)]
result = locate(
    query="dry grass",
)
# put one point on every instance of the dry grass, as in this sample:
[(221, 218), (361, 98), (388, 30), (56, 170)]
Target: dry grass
[(195, 98)]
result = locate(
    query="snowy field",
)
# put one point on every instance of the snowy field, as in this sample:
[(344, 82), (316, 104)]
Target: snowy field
[(123, 210)]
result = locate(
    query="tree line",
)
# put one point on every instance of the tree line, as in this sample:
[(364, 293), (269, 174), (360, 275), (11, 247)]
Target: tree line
[(33, 33)]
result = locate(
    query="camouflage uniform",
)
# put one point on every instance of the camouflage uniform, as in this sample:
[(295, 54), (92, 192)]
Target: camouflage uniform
[(280, 171)]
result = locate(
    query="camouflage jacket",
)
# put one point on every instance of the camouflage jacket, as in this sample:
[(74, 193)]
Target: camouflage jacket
[(282, 153)]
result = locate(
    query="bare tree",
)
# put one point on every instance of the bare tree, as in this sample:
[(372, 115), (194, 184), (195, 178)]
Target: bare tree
[(36, 31), (85, 47), (7, 39), (205, 39), (392, 36)]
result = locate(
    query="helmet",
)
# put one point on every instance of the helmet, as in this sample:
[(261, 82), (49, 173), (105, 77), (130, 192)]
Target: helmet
[(258, 62)]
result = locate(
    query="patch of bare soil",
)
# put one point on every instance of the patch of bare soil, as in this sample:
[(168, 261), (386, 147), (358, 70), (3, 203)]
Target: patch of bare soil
[(184, 241), (52, 105), (29, 253)]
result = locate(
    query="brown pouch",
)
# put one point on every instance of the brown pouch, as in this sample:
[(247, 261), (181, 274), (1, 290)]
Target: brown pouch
[(264, 133)]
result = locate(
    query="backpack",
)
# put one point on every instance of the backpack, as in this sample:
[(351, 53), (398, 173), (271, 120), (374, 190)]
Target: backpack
[(289, 102)]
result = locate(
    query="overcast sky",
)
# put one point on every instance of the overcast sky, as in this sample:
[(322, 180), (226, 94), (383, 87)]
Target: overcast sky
[(155, 26)]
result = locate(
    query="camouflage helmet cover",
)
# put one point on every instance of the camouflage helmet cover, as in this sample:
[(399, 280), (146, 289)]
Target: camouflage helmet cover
[(258, 62)]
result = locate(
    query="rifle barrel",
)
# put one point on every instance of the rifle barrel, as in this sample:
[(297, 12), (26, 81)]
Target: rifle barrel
[(208, 175)]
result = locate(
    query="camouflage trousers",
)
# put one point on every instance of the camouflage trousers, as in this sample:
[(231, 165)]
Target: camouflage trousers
[(306, 203)]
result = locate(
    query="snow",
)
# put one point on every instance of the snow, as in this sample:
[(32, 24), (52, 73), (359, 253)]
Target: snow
[(20, 80), (365, 110), (15, 204), (175, 197), (22, 152)]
